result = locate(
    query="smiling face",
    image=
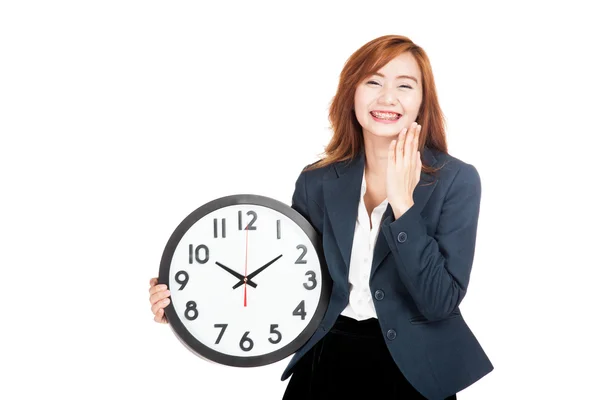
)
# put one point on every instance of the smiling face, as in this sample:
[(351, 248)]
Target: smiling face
[(389, 100)]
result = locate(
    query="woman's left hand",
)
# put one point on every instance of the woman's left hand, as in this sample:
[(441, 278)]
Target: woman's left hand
[(403, 170)]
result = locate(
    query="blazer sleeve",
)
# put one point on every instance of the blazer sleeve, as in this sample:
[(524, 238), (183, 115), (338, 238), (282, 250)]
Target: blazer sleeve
[(300, 197), (436, 270)]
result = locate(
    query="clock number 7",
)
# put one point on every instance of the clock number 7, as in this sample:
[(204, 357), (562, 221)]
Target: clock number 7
[(223, 327)]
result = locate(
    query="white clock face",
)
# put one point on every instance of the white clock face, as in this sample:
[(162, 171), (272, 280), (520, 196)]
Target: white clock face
[(262, 314)]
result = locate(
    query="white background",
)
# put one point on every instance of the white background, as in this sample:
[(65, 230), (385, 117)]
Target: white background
[(119, 118)]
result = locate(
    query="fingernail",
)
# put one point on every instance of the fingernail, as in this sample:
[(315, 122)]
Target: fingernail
[(404, 130), (165, 301), (168, 291)]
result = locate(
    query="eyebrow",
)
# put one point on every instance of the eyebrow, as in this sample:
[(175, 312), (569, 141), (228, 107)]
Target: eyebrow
[(398, 77)]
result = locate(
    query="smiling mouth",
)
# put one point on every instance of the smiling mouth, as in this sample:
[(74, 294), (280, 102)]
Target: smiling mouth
[(388, 116)]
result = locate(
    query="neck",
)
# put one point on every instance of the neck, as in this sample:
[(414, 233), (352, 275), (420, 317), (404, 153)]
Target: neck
[(376, 155)]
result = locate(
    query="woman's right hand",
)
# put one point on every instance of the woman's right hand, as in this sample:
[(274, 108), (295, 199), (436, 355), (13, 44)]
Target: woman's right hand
[(159, 299)]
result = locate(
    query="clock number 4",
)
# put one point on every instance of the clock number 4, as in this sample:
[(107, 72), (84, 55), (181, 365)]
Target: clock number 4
[(299, 311)]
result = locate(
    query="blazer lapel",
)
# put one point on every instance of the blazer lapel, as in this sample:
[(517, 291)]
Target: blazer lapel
[(341, 196)]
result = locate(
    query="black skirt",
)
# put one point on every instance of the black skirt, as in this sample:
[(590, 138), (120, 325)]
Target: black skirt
[(352, 358)]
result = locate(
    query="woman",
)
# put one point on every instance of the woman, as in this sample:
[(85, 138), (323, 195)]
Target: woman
[(398, 219)]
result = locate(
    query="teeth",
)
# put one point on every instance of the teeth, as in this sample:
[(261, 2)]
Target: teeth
[(385, 115)]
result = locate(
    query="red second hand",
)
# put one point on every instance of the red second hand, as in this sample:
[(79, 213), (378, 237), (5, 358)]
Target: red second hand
[(246, 270)]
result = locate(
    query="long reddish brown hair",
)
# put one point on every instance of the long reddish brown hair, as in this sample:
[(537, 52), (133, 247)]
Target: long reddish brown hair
[(347, 140)]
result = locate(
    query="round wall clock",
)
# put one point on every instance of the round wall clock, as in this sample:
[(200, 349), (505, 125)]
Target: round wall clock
[(249, 284)]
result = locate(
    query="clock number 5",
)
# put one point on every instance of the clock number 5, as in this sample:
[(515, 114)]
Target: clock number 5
[(276, 332)]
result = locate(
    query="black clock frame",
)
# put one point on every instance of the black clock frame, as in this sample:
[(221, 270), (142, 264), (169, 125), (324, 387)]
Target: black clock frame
[(177, 325)]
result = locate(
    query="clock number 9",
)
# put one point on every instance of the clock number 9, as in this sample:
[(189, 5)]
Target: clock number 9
[(191, 306), (246, 339), (183, 281)]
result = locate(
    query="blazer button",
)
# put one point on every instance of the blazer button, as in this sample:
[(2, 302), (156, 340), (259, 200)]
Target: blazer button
[(402, 237), (379, 295), (391, 334)]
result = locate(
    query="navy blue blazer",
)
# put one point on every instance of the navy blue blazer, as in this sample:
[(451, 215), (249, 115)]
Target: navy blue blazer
[(421, 268)]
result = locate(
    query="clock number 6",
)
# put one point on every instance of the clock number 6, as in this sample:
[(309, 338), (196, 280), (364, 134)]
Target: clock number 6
[(246, 339)]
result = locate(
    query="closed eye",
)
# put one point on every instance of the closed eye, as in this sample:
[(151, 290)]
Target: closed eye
[(377, 83)]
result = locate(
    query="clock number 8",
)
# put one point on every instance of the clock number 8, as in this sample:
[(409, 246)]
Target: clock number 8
[(246, 339), (191, 306)]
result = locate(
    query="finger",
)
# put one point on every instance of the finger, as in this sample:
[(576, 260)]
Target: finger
[(159, 296), (153, 282), (160, 305), (157, 288), (419, 166), (159, 317), (409, 145), (400, 146), (392, 152)]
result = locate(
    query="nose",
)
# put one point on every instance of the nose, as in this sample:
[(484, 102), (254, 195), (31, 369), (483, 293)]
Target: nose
[(388, 96)]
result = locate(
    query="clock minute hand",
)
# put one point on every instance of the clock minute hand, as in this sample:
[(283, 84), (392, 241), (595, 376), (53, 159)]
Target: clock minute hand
[(237, 275), (258, 271)]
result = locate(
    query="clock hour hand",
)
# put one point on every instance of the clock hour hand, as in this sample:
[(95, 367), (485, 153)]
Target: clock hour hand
[(258, 271), (237, 275)]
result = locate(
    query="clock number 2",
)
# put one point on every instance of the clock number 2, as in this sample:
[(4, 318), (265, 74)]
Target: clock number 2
[(248, 227), (304, 251)]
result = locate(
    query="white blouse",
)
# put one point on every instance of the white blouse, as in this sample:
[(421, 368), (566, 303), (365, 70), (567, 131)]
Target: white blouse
[(360, 305)]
